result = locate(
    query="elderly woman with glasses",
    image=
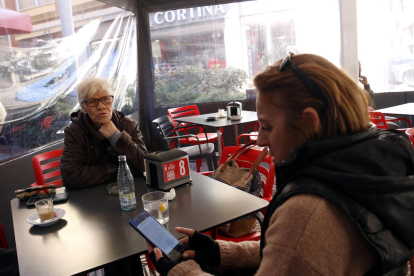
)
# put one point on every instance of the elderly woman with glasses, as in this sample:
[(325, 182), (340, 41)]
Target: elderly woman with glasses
[(97, 135), (345, 192)]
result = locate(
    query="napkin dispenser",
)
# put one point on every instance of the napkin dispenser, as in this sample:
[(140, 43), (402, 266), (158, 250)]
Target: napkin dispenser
[(167, 169), (234, 111)]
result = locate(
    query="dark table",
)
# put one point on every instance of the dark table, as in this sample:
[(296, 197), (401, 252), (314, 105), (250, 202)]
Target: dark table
[(247, 117), (403, 110), (95, 231)]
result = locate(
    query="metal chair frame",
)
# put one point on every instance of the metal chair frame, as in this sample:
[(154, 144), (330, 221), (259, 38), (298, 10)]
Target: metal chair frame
[(170, 134)]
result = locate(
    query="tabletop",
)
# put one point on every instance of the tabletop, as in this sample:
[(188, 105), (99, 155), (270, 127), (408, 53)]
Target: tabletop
[(247, 117), (95, 231), (403, 109)]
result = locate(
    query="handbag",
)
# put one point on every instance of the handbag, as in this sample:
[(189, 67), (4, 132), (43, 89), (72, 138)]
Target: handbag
[(247, 180), (25, 194)]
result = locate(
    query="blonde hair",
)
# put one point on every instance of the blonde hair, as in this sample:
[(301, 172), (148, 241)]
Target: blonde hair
[(347, 107), (88, 87)]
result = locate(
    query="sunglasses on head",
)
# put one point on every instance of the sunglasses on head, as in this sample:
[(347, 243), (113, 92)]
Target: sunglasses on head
[(310, 85)]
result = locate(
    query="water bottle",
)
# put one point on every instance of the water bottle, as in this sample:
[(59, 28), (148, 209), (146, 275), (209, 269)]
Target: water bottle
[(126, 188)]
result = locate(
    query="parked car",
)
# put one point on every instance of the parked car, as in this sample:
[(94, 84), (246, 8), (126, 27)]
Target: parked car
[(409, 76), (397, 68)]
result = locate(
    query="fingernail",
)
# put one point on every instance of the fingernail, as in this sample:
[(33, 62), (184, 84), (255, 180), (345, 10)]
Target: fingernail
[(185, 255)]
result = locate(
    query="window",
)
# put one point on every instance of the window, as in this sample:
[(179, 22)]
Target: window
[(26, 4), (385, 43), (212, 53), (40, 71)]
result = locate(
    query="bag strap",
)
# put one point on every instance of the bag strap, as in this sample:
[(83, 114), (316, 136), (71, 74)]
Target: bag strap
[(238, 152), (263, 154)]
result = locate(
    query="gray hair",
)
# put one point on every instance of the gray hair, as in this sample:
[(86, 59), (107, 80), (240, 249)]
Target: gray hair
[(88, 87)]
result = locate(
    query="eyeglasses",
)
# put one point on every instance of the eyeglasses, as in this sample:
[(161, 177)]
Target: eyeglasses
[(94, 102), (310, 85)]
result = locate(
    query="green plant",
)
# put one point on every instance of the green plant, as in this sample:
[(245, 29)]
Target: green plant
[(131, 101), (42, 61), (195, 84)]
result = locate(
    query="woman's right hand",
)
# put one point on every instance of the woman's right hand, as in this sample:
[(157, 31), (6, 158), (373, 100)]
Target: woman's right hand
[(202, 247)]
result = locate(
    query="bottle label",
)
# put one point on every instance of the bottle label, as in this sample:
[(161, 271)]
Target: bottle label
[(127, 199)]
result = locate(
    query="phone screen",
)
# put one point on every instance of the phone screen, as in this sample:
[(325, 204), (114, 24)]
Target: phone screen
[(36, 199), (155, 233), (61, 197)]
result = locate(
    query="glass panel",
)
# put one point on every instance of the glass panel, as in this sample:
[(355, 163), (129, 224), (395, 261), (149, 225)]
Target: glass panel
[(42, 2), (212, 53), (385, 44), (39, 70), (26, 4)]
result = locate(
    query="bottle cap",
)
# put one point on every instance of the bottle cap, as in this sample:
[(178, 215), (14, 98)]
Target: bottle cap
[(121, 158)]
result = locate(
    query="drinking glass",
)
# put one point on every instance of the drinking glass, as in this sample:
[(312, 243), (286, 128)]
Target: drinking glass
[(221, 112), (45, 209), (156, 204)]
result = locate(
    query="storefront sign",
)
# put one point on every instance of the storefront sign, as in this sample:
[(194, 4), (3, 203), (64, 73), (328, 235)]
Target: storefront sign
[(185, 16)]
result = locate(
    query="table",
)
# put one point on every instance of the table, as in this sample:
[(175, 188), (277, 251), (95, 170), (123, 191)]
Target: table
[(247, 117), (95, 231), (402, 110)]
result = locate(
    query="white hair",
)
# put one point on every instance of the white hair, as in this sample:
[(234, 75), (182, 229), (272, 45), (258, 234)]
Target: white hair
[(88, 87)]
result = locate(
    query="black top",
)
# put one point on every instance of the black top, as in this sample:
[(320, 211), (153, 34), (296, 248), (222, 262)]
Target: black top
[(370, 176), (95, 231)]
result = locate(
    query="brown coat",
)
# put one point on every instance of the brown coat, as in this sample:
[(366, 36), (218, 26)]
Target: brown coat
[(88, 158), (307, 235)]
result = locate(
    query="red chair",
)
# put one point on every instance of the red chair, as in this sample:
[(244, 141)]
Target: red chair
[(410, 133), (378, 119), (3, 240), (39, 168), (252, 135), (246, 160), (192, 110)]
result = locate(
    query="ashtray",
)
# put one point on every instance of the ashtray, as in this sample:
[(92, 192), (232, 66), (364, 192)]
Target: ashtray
[(112, 188), (211, 118)]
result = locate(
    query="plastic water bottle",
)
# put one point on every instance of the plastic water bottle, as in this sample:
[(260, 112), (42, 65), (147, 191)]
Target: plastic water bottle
[(126, 188)]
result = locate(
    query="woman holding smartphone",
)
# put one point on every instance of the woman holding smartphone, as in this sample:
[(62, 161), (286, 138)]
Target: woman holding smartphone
[(345, 194)]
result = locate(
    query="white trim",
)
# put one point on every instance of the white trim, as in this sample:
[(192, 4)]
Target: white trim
[(349, 37)]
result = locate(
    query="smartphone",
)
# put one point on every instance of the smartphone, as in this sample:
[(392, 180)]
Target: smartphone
[(56, 198), (158, 236)]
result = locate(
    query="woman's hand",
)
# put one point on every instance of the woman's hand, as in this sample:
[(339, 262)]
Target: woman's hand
[(162, 264), (108, 129), (363, 80), (202, 247)]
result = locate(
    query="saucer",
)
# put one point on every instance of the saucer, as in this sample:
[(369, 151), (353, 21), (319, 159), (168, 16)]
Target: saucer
[(35, 220)]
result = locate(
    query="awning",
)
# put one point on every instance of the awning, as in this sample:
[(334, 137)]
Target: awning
[(13, 22)]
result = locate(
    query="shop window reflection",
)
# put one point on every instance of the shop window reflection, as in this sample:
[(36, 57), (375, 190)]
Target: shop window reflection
[(236, 41)]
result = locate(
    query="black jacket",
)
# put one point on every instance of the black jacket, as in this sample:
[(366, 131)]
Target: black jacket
[(88, 158), (370, 175)]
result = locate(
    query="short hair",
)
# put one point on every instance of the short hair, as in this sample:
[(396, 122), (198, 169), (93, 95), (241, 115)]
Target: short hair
[(347, 107), (88, 87)]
